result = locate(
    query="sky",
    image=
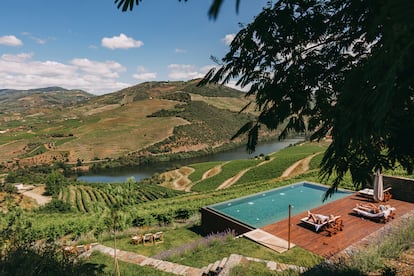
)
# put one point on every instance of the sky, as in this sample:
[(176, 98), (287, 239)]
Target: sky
[(93, 46)]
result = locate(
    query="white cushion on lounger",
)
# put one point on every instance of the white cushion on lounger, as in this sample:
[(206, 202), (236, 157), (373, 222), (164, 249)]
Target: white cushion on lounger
[(384, 213), (316, 225)]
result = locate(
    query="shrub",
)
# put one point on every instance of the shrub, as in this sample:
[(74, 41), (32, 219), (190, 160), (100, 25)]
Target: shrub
[(164, 219), (197, 245), (57, 206), (182, 214), (8, 188), (54, 182)]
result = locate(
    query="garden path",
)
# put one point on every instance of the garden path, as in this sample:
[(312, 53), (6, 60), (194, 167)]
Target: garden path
[(141, 260), (220, 267)]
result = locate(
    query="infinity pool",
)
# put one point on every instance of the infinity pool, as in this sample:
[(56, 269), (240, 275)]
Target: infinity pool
[(267, 207)]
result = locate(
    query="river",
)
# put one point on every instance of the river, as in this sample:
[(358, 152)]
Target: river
[(121, 174)]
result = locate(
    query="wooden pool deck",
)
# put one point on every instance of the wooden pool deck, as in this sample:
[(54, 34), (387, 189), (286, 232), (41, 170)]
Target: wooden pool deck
[(356, 228)]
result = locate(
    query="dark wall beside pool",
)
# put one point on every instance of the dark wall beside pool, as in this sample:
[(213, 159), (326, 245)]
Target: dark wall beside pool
[(402, 188), (213, 222)]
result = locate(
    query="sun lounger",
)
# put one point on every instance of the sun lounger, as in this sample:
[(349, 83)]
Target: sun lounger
[(332, 226), (369, 193), (316, 226), (383, 215)]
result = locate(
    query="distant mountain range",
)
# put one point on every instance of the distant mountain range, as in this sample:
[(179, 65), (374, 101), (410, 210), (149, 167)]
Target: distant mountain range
[(24, 100), (146, 120)]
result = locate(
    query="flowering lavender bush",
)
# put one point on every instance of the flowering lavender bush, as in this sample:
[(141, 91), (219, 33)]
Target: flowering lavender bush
[(197, 245)]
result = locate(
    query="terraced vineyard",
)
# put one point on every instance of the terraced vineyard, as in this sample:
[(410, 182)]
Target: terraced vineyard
[(95, 198), (256, 170), (228, 170)]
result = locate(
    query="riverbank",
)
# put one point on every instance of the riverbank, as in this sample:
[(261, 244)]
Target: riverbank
[(121, 173)]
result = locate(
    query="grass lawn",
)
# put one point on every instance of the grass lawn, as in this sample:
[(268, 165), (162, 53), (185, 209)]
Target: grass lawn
[(105, 264), (202, 254), (172, 238)]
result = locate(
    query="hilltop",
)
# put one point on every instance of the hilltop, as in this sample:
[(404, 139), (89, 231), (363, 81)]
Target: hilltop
[(135, 124), (28, 102)]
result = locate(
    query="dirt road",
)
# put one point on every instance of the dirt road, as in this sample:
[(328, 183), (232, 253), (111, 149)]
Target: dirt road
[(37, 194)]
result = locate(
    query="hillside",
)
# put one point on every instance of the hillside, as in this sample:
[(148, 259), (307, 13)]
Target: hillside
[(41, 126), (27, 102)]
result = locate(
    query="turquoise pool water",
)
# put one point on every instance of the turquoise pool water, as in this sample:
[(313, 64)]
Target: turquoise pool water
[(271, 206)]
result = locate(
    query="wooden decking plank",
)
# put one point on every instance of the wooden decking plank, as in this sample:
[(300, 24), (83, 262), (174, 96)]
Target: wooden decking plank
[(356, 228)]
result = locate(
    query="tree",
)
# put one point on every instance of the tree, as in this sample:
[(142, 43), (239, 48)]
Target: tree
[(213, 11), (54, 182), (114, 221), (343, 67), (11, 177)]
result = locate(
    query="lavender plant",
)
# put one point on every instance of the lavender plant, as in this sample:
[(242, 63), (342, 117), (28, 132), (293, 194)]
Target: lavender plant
[(197, 245)]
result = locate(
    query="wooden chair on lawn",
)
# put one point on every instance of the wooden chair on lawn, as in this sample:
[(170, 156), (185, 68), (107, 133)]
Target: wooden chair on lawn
[(159, 237), (148, 239), (136, 239)]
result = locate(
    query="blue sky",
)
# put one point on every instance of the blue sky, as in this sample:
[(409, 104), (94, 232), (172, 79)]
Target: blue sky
[(91, 45)]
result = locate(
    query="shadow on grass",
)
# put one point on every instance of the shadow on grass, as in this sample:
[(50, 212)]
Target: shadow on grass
[(29, 262), (198, 230)]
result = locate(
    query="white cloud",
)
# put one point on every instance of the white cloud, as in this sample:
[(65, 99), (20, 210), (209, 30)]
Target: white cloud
[(39, 40), (186, 71), (228, 38), (207, 68), (121, 42), (107, 69), (17, 58), (180, 51), (10, 40), (143, 75), (232, 84), (36, 39), (23, 72)]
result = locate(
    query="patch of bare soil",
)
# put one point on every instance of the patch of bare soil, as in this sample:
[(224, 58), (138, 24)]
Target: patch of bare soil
[(232, 180), (101, 109), (38, 194), (298, 168), (178, 179), (213, 171)]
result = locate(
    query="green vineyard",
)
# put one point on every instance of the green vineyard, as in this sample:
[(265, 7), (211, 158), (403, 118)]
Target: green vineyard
[(96, 197)]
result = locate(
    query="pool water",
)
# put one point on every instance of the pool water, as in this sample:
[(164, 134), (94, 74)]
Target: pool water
[(271, 206)]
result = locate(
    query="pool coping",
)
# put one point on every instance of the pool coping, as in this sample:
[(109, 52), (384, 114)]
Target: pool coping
[(281, 187), (213, 221)]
